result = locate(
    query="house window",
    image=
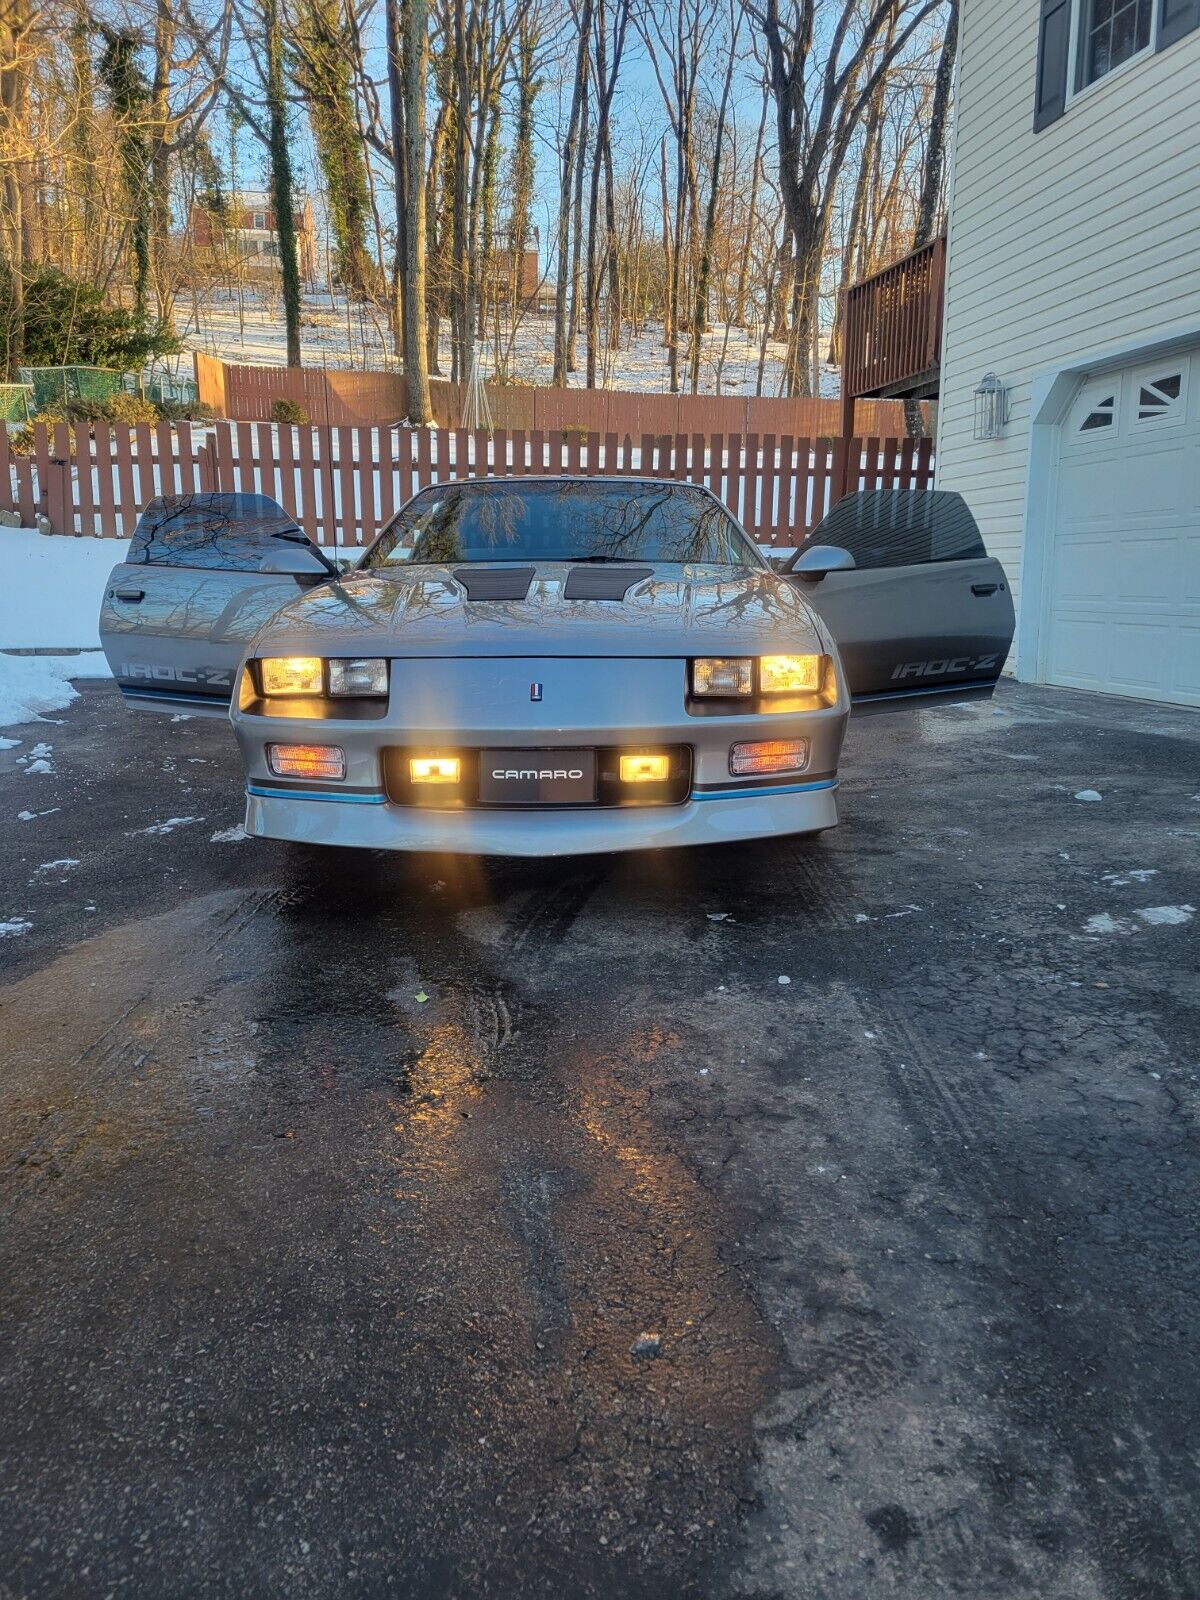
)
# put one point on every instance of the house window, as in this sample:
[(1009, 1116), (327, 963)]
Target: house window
[(1111, 32), (259, 220), (1082, 41)]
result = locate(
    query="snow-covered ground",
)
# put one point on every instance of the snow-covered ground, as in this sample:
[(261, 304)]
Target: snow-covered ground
[(339, 335), (50, 601), (50, 598)]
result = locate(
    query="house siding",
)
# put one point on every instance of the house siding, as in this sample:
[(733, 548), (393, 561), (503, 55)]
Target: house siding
[(1078, 240)]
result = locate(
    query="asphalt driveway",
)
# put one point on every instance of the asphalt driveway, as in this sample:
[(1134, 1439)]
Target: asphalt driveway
[(446, 1228)]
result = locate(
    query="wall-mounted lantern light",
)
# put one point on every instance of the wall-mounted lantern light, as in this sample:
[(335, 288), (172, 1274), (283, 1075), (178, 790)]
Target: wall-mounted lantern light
[(991, 407)]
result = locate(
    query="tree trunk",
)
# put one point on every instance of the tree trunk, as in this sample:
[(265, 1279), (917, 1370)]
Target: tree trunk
[(281, 179), (459, 264), (700, 318), (397, 100), (935, 149), (931, 178), (416, 69), (566, 178), (577, 234)]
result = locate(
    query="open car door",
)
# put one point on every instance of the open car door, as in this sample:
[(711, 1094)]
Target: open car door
[(202, 574), (918, 608)]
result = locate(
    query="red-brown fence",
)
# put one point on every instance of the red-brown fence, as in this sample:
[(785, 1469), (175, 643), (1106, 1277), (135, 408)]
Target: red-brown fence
[(343, 483), (345, 397)]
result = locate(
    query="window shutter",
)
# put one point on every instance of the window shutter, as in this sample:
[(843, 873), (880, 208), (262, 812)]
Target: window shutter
[(1178, 17), (1054, 38)]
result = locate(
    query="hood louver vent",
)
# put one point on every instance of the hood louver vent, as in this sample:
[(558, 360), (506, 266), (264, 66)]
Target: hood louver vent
[(495, 583), (603, 583)]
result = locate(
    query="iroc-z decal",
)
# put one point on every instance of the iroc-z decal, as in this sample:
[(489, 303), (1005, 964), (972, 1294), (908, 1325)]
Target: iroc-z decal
[(948, 666), (197, 677)]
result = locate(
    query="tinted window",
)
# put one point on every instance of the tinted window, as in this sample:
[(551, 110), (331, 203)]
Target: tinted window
[(901, 528), (230, 532), (567, 520)]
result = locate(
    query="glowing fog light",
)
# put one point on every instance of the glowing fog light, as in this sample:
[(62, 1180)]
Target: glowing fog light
[(292, 675), (723, 676), (651, 768), (789, 674), (768, 757), (307, 760), (434, 769)]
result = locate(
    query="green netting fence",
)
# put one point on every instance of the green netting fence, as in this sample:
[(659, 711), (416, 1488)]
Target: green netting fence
[(56, 387), (14, 402), (166, 388)]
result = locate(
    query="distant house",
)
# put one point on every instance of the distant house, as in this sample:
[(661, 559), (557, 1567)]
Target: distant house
[(1068, 364), (248, 231), (528, 270)]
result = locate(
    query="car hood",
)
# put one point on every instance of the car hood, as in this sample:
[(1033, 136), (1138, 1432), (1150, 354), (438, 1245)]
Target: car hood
[(676, 611)]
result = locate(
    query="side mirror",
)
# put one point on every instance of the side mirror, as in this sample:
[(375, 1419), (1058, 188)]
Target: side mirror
[(296, 560), (821, 559)]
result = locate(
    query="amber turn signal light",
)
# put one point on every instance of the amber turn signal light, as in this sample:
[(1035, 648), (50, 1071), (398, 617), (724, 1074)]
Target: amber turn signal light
[(307, 760)]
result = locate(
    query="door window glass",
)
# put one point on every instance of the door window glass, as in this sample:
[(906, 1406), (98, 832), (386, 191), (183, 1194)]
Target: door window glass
[(226, 532), (901, 528)]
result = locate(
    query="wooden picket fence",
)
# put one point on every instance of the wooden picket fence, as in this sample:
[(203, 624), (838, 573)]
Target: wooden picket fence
[(342, 484)]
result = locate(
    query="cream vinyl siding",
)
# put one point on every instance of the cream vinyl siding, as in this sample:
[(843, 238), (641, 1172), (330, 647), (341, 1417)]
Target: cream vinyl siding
[(1081, 239)]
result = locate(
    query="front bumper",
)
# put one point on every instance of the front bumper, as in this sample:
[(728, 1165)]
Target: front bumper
[(475, 704), (375, 824)]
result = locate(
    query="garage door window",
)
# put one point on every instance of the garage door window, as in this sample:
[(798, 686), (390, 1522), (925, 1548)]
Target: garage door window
[(1100, 415), (1161, 398)]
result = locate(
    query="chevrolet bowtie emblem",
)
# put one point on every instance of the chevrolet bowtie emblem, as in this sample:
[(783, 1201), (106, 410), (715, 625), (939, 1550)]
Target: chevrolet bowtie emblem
[(535, 691)]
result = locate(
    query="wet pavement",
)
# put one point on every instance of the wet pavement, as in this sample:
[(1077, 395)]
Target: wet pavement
[(373, 1226)]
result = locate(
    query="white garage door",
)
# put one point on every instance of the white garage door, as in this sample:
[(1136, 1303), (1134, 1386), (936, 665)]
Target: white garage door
[(1122, 597)]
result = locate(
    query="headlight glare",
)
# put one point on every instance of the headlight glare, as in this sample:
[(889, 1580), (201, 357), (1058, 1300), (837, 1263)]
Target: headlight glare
[(292, 675), (365, 676), (729, 677), (789, 674), (435, 769)]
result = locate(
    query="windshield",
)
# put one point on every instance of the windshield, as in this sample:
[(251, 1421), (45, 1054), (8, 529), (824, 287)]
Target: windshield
[(571, 520)]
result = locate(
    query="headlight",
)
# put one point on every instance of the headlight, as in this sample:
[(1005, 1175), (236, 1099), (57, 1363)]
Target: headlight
[(365, 676), (725, 676), (292, 675), (789, 674)]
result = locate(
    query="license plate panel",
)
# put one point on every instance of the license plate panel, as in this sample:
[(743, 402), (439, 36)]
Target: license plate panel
[(537, 777)]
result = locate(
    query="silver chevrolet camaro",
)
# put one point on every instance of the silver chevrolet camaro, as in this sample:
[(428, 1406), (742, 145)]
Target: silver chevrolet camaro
[(549, 666)]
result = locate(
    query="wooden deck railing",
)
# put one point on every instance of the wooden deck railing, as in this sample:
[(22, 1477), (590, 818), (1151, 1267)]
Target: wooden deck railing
[(893, 327)]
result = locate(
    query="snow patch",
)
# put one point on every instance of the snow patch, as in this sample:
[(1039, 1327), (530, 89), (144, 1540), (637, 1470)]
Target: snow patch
[(51, 599), (40, 766), (9, 744), (1105, 922), (64, 865), (1166, 916), (234, 835), (1120, 880), (169, 826), (33, 686), (9, 930), (32, 816), (1088, 794)]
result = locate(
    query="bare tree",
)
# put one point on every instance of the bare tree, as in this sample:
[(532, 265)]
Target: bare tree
[(820, 95)]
